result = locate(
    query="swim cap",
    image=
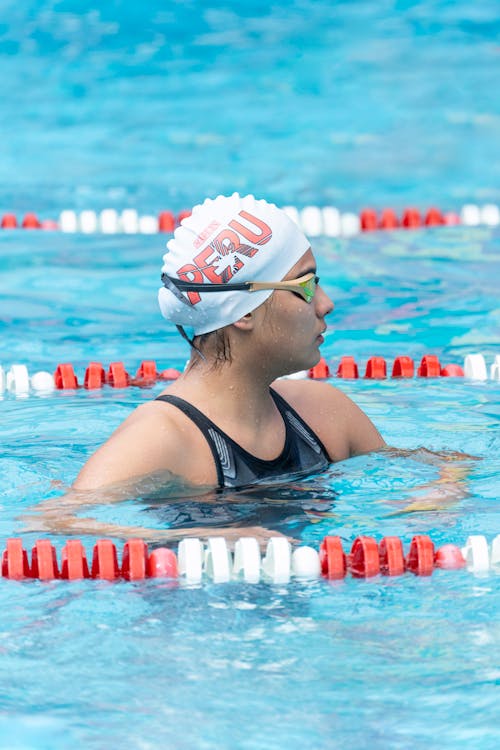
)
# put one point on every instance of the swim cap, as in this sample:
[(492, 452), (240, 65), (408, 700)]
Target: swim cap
[(227, 240)]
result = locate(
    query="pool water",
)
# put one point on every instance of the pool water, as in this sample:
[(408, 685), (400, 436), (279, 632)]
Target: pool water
[(307, 101), (386, 662), (157, 106)]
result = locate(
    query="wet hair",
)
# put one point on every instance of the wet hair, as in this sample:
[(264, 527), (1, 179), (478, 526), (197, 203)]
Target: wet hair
[(214, 346)]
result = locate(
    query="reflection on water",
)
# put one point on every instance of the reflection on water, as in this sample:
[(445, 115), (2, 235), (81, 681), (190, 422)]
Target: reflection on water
[(286, 507)]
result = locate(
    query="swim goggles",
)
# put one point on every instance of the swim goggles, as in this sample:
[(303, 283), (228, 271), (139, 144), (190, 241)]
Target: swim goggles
[(304, 286)]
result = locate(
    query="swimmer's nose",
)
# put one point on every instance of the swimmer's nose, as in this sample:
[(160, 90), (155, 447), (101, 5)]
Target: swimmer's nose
[(324, 305)]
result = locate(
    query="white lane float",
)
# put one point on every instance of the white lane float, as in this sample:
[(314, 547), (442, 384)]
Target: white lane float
[(42, 382), (17, 380), (475, 367), (311, 221), (305, 563), (476, 554), (247, 562), (277, 562), (109, 222), (190, 559), (217, 560)]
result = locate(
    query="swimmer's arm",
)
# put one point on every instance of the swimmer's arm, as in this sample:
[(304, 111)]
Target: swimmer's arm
[(348, 421), (145, 444), (57, 523), (450, 486), (454, 468), (58, 515)]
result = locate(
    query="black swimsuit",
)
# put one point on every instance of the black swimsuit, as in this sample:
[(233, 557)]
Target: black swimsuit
[(303, 452)]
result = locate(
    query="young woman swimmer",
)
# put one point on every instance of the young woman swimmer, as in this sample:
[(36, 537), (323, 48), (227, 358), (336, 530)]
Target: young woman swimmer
[(242, 276)]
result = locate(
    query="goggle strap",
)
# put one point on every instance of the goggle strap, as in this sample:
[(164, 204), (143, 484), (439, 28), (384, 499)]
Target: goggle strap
[(190, 342), (172, 287), (176, 285)]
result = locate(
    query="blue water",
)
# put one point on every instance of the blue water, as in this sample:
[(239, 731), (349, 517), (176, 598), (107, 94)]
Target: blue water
[(305, 101), (156, 106), (390, 663)]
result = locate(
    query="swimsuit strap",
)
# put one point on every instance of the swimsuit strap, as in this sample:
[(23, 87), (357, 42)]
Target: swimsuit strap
[(292, 419), (202, 422), (235, 465)]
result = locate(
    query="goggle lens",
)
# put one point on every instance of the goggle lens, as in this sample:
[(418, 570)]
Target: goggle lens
[(309, 287)]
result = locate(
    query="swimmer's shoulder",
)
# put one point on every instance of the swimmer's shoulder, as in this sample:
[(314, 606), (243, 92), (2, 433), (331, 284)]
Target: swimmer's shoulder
[(344, 429), (155, 437)]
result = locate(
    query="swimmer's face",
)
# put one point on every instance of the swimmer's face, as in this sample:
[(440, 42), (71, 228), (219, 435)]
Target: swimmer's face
[(296, 327)]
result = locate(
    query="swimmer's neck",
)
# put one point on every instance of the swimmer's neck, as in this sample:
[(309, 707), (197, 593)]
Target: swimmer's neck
[(230, 386)]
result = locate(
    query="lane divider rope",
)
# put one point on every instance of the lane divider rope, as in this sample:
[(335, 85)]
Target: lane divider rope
[(17, 380), (315, 221), (196, 561)]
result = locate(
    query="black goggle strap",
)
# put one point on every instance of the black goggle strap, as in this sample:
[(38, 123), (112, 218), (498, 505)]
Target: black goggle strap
[(191, 342), (171, 285), (177, 286)]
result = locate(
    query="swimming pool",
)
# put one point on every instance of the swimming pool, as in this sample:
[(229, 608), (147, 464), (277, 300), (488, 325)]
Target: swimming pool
[(391, 662), (356, 104)]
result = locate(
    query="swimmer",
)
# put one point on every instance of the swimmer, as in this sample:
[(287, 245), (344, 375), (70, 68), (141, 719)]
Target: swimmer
[(240, 282), (243, 277)]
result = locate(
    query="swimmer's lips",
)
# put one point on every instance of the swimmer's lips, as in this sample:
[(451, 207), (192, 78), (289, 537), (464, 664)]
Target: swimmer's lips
[(321, 338)]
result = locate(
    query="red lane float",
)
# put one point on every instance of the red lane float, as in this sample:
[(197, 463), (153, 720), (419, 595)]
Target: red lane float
[(64, 377), (319, 371), (420, 559), (434, 218), (347, 368), (403, 367), (411, 218), (388, 219), (18, 381), (146, 375), (368, 220), (95, 377), (452, 371), (74, 565), (135, 560), (162, 563), (44, 561), (15, 561), (30, 221), (166, 222), (429, 367), (392, 561), (105, 561), (313, 220), (117, 376), (332, 558), (365, 560), (449, 557), (9, 221), (376, 368)]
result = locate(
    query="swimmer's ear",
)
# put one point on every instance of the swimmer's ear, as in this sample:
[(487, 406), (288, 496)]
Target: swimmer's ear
[(246, 323)]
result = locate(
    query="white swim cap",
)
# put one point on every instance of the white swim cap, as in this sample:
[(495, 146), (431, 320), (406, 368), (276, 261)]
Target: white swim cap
[(224, 241)]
